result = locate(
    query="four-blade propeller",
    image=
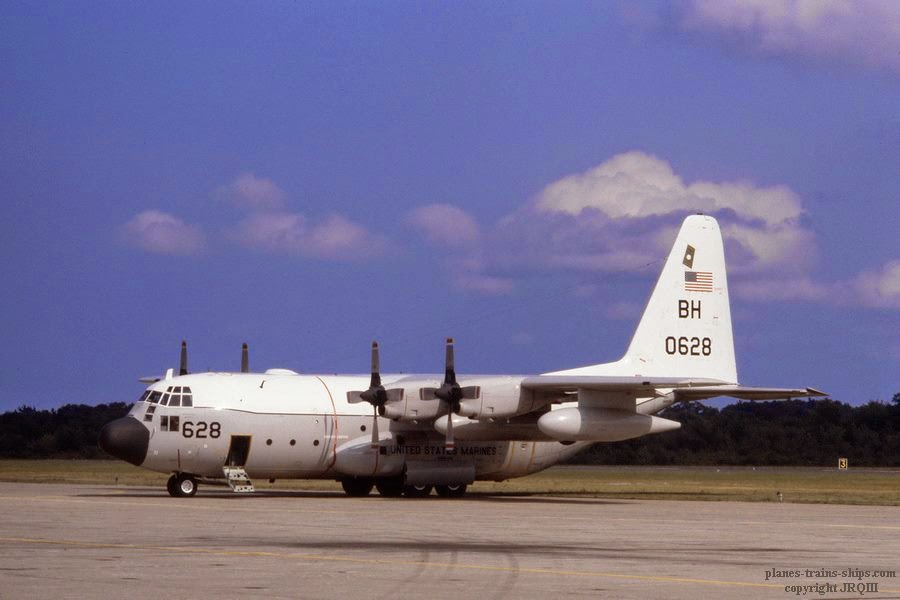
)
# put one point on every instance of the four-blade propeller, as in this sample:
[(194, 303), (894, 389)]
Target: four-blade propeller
[(376, 395), (450, 393)]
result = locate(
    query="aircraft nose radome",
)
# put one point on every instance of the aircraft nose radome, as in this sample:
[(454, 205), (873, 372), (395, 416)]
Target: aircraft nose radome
[(125, 438)]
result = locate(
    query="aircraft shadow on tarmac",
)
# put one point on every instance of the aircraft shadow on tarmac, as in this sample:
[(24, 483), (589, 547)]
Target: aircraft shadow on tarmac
[(648, 550), (516, 497)]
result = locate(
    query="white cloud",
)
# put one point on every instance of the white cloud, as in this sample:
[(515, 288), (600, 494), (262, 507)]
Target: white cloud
[(255, 193), (638, 185), (880, 288), (778, 247), (760, 224), (335, 237), (875, 289), (534, 240), (620, 216), (468, 273), (623, 215), (455, 230), (865, 32), (444, 224), (485, 284), (162, 233), (800, 288)]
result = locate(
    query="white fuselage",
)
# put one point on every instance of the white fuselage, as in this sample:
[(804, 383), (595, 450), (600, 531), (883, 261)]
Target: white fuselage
[(301, 426)]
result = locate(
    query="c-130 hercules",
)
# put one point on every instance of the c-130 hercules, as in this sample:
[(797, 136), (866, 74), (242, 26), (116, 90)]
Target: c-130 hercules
[(409, 434)]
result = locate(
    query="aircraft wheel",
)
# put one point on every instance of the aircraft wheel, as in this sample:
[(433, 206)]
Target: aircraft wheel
[(417, 491), (171, 486), (357, 488), (451, 491), (185, 485), (390, 488)]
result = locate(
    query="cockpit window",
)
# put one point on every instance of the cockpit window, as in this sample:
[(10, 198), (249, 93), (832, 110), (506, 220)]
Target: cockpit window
[(154, 397), (178, 396), (144, 396)]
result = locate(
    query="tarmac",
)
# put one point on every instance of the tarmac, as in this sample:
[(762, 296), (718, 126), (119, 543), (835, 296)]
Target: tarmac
[(77, 541)]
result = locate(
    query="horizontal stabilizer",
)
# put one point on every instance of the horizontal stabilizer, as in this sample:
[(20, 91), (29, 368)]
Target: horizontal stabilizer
[(743, 393)]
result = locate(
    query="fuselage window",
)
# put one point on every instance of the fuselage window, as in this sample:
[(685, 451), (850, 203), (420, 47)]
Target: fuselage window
[(148, 416), (164, 423), (173, 423), (151, 409), (154, 397)]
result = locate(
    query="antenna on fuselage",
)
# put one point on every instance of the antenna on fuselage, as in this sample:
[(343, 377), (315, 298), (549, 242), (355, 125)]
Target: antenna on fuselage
[(245, 358), (182, 368)]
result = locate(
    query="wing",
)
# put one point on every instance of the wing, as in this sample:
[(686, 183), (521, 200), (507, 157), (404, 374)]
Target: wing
[(568, 384), (684, 389)]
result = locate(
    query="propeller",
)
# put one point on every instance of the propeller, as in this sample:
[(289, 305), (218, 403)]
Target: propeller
[(182, 368), (245, 358), (376, 395), (450, 393)]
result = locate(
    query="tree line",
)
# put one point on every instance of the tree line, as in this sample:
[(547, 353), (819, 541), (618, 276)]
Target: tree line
[(778, 433), (795, 432), (67, 432)]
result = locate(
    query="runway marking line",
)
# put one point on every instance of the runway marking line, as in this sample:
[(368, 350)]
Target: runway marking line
[(381, 561)]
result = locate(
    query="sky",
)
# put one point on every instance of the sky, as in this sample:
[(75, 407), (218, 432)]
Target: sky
[(310, 176)]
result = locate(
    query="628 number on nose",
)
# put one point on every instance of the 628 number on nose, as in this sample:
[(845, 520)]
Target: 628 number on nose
[(201, 429), (686, 346)]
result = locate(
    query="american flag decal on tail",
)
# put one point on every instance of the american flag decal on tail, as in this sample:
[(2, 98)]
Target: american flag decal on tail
[(698, 281)]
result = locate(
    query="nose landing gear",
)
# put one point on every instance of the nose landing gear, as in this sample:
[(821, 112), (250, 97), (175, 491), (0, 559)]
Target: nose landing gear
[(181, 485)]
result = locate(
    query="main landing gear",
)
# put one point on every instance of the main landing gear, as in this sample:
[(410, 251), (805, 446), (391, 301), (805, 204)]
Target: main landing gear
[(451, 491), (359, 487), (181, 485)]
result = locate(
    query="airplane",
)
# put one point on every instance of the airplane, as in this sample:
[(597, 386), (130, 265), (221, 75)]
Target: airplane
[(407, 435)]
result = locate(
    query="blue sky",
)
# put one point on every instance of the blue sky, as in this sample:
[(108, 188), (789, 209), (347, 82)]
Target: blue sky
[(308, 177)]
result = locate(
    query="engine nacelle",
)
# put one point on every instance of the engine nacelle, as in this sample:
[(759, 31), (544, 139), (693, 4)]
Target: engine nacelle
[(601, 424), (357, 458), (499, 397), (413, 408)]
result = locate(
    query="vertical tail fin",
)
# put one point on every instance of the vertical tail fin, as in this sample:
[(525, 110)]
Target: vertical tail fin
[(685, 330)]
